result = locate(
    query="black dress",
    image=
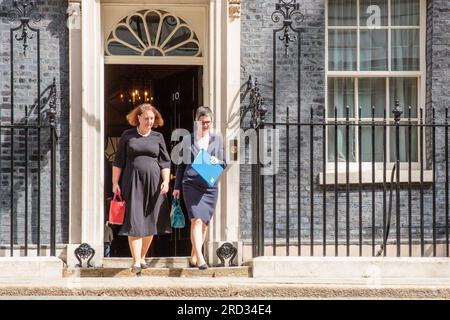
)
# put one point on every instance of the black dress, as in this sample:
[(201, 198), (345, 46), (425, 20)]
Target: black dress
[(141, 159), (200, 199)]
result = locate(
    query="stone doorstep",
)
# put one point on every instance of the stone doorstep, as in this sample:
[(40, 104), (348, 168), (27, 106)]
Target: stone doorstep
[(213, 272), (153, 262)]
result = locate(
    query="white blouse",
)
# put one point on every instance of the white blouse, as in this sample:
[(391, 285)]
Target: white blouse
[(203, 142)]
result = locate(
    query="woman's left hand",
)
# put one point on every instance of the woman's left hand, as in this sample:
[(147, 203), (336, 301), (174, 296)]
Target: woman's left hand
[(214, 160), (164, 187)]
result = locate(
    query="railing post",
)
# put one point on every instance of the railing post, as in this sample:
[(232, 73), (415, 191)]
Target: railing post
[(336, 203), (254, 210), (397, 113), (446, 185), (347, 178), (311, 178), (261, 112), (421, 146), (373, 180), (360, 181), (434, 178), (409, 183), (258, 114), (51, 113)]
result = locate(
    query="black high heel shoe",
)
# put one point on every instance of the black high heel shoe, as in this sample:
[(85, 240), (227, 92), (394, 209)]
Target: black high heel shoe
[(203, 266), (191, 264), (136, 270)]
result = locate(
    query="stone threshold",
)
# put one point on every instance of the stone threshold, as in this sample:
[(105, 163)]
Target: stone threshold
[(106, 272)]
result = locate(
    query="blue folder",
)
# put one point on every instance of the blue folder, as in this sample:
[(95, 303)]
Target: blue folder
[(208, 171)]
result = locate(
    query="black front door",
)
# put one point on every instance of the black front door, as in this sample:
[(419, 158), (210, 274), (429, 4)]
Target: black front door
[(176, 91)]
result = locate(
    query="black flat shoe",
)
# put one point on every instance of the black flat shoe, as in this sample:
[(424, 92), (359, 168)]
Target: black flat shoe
[(136, 270), (192, 265), (144, 266), (203, 266)]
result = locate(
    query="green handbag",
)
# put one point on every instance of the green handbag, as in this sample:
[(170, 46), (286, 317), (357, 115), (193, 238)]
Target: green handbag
[(176, 215)]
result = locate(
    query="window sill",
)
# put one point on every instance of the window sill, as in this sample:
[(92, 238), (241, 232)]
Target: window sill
[(366, 177)]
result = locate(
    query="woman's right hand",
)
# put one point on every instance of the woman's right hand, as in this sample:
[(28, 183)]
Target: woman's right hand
[(176, 193), (116, 188)]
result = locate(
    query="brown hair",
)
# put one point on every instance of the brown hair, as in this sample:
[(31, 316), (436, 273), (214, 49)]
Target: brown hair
[(203, 111), (132, 117)]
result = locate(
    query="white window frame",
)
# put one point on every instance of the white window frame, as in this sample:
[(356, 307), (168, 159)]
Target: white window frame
[(420, 75)]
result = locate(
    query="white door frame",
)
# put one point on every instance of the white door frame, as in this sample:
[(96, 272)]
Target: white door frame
[(221, 66)]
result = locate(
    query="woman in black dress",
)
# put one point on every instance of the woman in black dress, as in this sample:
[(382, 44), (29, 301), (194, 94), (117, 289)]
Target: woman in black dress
[(199, 197), (141, 172)]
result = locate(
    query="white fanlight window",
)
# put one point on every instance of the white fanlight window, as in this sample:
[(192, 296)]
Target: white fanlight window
[(153, 33), (375, 54)]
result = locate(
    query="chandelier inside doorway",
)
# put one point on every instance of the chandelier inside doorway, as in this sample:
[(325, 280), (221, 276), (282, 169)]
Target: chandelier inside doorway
[(134, 95), (133, 91)]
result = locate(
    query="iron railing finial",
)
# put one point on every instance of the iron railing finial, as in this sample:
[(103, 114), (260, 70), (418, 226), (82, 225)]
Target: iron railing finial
[(24, 11), (397, 111), (288, 10)]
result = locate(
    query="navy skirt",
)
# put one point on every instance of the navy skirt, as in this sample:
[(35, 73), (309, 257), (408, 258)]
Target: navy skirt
[(199, 198)]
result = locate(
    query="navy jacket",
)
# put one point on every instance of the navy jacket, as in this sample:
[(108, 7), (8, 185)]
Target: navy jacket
[(215, 148)]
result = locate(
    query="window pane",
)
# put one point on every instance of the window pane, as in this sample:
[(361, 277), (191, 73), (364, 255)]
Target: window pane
[(372, 92), (153, 20), (405, 50), (374, 54), (373, 13), (403, 143), (137, 24), (342, 50), (405, 90), (366, 144), (341, 93), (181, 35), (124, 34), (405, 12), (153, 53), (342, 13), (117, 48), (342, 143), (169, 24), (189, 49)]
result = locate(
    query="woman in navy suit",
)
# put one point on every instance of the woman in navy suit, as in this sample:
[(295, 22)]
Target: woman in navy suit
[(199, 197)]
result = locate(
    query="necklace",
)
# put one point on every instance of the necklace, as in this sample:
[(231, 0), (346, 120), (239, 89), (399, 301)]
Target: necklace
[(143, 135)]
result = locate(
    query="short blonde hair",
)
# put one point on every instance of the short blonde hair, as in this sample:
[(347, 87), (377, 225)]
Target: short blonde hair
[(132, 117)]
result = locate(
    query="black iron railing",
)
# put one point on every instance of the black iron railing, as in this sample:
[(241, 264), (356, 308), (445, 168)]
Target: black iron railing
[(342, 199), (31, 139), (426, 214)]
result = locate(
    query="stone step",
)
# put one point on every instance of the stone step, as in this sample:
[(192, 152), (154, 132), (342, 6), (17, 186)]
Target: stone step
[(113, 272), (154, 262), (159, 267)]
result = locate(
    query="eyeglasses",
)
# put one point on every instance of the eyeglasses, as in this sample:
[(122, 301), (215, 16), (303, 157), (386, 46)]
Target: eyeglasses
[(206, 123)]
